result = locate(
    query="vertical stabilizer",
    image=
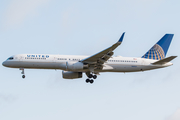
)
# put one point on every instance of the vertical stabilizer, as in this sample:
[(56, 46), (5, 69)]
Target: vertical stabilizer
[(159, 50)]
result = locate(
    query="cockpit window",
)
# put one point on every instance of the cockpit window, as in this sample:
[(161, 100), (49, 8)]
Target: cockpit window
[(11, 58)]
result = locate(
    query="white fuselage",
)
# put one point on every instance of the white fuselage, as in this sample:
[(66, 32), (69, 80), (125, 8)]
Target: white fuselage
[(114, 64)]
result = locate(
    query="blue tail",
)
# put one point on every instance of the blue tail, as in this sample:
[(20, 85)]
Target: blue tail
[(159, 50)]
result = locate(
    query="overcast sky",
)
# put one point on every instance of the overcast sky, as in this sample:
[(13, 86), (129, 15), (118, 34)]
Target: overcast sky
[(85, 27)]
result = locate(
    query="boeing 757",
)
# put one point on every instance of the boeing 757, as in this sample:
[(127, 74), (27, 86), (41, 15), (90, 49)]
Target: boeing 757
[(73, 66)]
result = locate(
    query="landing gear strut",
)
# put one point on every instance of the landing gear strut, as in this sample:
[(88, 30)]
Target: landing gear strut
[(23, 76)]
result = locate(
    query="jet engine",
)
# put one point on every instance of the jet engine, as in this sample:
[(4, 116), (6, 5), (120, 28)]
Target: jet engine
[(76, 66), (71, 75)]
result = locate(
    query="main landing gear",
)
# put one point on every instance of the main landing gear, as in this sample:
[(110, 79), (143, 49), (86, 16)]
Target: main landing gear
[(89, 80), (23, 76)]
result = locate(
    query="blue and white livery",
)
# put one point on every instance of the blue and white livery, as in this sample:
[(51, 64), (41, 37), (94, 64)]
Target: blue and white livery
[(73, 66), (159, 50)]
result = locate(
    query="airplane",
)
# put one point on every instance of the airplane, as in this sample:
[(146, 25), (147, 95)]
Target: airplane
[(73, 66)]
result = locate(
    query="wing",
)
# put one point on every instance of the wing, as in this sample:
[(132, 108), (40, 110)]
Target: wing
[(104, 55)]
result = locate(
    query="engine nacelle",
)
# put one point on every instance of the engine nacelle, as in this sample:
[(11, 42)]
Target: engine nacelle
[(76, 66), (71, 75)]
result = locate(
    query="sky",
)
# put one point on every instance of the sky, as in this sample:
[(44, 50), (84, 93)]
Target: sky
[(84, 27)]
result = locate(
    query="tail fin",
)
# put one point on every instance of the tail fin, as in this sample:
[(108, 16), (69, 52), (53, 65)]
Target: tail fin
[(159, 50)]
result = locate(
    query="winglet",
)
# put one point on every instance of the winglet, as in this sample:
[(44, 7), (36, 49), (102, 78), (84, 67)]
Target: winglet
[(121, 38)]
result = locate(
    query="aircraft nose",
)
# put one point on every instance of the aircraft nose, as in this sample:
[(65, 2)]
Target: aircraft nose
[(4, 63)]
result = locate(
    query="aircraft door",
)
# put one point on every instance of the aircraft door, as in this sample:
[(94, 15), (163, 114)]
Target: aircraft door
[(142, 62), (55, 64), (21, 58), (55, 59), (142, 65)]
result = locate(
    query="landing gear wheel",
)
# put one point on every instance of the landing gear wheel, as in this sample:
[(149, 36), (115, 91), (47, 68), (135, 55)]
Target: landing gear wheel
[(90, 76), (87, 80), (23, 76), (95, 76), (91, 81)]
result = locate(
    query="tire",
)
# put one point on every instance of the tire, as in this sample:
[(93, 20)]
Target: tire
[(23, 76), (87, 80), (90, 76), (91, 81), (95, 76)]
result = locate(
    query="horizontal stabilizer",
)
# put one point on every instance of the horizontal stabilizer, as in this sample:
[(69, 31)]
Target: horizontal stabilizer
[(164, 61)]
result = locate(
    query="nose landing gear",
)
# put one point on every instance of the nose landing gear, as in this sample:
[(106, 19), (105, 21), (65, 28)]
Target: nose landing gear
[(23, 76)]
